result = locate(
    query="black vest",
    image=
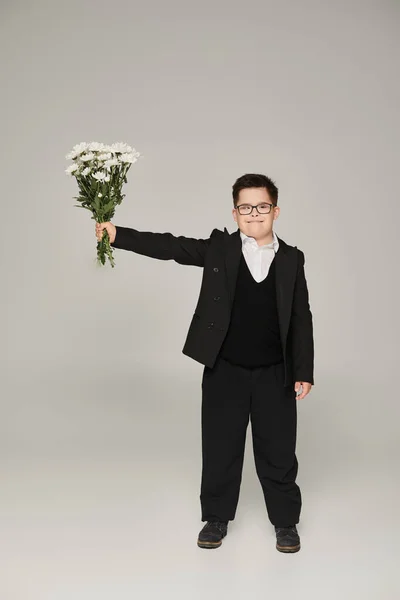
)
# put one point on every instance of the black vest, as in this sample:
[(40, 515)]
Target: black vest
[(253, 337)]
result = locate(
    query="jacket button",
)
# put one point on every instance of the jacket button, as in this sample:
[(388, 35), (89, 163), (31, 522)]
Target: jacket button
[(210, 325), (216, 269), (217, 297)]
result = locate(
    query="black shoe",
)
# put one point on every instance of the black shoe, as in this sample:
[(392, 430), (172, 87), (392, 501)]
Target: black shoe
[(287, 539), (212, 533)]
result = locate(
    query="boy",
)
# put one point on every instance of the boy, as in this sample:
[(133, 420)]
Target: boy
[(252, 329)]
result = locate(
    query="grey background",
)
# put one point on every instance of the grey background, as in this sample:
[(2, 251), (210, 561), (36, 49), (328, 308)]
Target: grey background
[(100, 428)]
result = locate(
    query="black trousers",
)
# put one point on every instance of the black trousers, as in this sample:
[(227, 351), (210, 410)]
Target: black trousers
[(231, 395)]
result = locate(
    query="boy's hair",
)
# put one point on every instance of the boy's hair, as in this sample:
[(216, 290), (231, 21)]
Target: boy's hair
[(251, 180)]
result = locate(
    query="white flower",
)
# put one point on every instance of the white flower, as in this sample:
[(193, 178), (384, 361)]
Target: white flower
[(127, 158), (88, 156), (71, 169), (99, 175), (96, 147), (86, 171), (100, 195), (107, 178), (76, 150), (105, 156), (121, 147), (111, 163)]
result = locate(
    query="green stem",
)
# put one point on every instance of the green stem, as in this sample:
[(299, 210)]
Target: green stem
[(104, 250)]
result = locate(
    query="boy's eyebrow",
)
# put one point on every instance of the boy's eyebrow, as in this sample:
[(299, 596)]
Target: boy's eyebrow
[(248, 203)]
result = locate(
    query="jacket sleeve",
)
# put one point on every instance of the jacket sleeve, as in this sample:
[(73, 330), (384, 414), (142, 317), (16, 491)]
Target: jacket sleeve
[(164, 246), (302, 328)]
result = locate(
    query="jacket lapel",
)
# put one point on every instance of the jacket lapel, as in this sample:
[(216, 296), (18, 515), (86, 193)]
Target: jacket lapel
[(286, 267)]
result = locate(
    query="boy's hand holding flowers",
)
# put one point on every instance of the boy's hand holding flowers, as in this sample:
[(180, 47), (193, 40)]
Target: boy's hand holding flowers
[(109, 227)]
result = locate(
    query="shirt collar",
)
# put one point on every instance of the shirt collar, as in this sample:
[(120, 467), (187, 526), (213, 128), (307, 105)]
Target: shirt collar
[(250, 240)]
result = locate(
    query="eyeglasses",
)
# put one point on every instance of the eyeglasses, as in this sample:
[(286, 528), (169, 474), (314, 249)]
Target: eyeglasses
[(246, 209)]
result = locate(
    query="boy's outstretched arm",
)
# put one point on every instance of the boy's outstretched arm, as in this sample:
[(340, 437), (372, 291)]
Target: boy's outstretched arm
[(164, 246)]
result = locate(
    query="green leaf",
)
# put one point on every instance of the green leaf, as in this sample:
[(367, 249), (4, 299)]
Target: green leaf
[(87, 207), (108, 206)]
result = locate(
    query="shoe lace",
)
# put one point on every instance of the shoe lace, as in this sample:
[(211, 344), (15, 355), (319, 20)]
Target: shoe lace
[(287, 530), (221, 525)]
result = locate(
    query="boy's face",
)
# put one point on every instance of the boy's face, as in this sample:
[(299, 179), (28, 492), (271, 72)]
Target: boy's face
[(255, 224)]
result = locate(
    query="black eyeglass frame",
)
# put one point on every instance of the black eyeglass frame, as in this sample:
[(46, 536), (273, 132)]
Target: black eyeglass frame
[(255, 206)]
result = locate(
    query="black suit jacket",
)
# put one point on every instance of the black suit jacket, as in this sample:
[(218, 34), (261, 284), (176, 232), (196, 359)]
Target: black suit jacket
[(219, 255)]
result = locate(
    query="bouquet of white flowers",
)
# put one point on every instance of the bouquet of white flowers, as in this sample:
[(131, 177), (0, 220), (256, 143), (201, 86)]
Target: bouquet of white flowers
[(100, 171)]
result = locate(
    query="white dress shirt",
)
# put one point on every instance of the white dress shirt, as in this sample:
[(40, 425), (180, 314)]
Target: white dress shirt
[(258, 258)]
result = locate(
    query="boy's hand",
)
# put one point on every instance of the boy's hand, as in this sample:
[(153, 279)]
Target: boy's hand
[(306, 389), (111, 230)]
